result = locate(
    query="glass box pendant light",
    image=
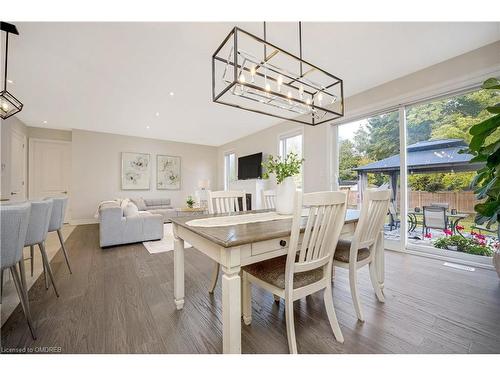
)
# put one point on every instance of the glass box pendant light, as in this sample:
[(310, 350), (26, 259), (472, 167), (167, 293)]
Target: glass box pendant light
[(9, 105), (252, 74)]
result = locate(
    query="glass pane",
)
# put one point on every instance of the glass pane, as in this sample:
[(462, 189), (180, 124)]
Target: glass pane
[(440, 198), (292, 144), (369, 159)]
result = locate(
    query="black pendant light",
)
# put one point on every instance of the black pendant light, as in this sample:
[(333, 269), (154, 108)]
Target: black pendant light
[(9, 105)]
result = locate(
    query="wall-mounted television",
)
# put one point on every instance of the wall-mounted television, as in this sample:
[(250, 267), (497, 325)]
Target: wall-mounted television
[(250, 166)]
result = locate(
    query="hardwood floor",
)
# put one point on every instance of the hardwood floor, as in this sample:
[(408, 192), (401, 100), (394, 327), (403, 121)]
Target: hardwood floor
[(120, 300)]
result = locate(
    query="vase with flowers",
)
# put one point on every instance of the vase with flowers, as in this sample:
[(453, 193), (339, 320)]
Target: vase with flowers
[(285, 170)]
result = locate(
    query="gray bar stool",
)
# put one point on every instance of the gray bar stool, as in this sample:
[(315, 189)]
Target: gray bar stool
[(14, 228), (56, 223), (38, 228)]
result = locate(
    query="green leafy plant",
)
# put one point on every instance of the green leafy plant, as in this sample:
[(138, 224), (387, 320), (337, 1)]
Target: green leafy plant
[(282, 168), (190, 201), (471, 245), (485, 146)]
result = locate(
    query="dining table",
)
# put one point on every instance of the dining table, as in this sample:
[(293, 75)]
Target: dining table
[(235, 242)]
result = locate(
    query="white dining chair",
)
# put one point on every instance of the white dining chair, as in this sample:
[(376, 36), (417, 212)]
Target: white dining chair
[(307, 267), (221, 202), (359, 250), (269, 199)]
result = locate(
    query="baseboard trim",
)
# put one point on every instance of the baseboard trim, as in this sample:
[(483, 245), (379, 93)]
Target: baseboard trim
[(83, 221)]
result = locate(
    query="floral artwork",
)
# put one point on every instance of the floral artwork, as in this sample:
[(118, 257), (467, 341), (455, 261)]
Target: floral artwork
[(168, 172), (135, 171)]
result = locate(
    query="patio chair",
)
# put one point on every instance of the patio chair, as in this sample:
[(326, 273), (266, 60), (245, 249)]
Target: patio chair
[(434, 218), (394, 220), (445, 205)]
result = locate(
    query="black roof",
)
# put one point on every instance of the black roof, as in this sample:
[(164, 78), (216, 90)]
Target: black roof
[(428, 156)]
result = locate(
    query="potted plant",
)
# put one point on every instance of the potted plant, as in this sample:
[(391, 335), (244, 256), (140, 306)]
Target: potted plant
[(284, 170), (190, 202), (485, 146)]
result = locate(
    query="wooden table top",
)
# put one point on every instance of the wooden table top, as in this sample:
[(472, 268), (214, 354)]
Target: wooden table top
[(236, 235)]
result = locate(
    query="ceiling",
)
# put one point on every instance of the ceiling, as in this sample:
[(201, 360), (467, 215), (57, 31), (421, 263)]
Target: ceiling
[(117, 77)]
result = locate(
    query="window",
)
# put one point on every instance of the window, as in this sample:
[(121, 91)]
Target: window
[(229, 169), (292, 143)]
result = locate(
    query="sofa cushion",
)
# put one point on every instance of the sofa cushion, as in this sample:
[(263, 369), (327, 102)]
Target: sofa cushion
[(130, 210), (139, 202), (156, 202), (123, 205)]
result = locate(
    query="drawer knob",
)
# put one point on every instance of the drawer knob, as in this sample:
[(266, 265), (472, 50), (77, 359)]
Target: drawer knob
[(282, 243)]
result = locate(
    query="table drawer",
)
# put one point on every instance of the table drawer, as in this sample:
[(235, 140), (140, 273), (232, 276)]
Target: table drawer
[(269, 245)]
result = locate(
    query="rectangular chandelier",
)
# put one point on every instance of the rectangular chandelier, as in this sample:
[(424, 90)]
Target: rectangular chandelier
[(252, 74)]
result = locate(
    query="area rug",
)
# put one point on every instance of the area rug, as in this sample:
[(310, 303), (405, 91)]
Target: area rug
[(165, 244)]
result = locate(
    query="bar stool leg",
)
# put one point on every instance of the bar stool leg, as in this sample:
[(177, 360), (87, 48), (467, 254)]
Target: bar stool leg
[(61, 240), (32, 256), (23, 297), (41, 245)]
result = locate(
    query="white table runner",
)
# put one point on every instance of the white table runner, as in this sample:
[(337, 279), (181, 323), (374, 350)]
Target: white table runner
[(224, 221)]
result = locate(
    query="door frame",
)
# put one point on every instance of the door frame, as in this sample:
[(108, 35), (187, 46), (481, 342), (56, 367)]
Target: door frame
[(25, 162), (30, 163)]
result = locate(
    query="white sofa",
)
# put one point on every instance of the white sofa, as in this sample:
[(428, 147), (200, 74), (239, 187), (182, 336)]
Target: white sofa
[(117, 229)]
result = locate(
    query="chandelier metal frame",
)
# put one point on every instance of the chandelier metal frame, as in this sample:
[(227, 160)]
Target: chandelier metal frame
[(310, 111)]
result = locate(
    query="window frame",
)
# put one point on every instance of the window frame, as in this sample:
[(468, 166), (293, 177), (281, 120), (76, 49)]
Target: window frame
[(290, 134), (226, 176)]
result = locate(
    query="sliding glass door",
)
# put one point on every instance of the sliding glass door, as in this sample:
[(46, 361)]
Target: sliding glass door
[(440, 198), (368, 158)]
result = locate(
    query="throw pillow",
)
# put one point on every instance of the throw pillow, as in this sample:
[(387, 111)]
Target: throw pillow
[(131, 210), (124, 204), (139, 202)]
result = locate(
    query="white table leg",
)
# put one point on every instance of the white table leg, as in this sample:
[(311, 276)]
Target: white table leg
[(231, 311), (380, 260), (178, 271)]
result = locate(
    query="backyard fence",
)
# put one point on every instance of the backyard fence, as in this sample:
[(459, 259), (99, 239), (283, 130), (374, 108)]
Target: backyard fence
[(462, 201)]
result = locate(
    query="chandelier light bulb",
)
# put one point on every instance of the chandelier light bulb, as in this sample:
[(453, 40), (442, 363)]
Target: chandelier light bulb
[(242, 78), (280, 82), (5, 107), (252, 73), (308, 101), (334, 99), (320, 97), (268, 87), (301, 91)]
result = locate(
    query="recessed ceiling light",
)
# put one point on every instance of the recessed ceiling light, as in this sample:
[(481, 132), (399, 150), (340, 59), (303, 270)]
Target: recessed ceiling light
[(10, 81), (171, 93), (157, 114), (147, 127), (44, 121)]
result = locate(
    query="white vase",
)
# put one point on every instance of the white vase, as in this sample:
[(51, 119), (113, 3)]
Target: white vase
[(285, 195)]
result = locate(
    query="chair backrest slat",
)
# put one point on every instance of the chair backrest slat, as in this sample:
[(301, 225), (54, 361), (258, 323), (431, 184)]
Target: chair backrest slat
[(373, 212), (221, 202), (323, 225), (269, 199)]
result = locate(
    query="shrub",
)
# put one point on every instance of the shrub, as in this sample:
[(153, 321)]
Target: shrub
[(473, 245)]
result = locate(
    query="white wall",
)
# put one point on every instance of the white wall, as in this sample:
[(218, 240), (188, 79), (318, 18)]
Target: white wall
[(459, 72), (96, 169)]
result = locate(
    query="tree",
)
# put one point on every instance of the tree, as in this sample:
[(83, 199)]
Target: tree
[(349, 159)]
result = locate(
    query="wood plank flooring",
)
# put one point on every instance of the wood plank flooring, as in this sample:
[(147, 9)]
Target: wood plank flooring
[(120, 300)]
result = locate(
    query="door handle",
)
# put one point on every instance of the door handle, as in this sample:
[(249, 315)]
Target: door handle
[(64, 192), (13, 193)]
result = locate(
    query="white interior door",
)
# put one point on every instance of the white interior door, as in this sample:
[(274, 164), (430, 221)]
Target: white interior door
[(49, 169), (18, 166)]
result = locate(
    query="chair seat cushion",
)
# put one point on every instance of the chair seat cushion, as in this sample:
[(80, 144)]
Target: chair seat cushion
[(272, 271), (344, 248)]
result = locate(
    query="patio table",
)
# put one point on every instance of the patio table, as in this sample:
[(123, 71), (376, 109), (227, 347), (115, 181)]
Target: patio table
[(453, 219)]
